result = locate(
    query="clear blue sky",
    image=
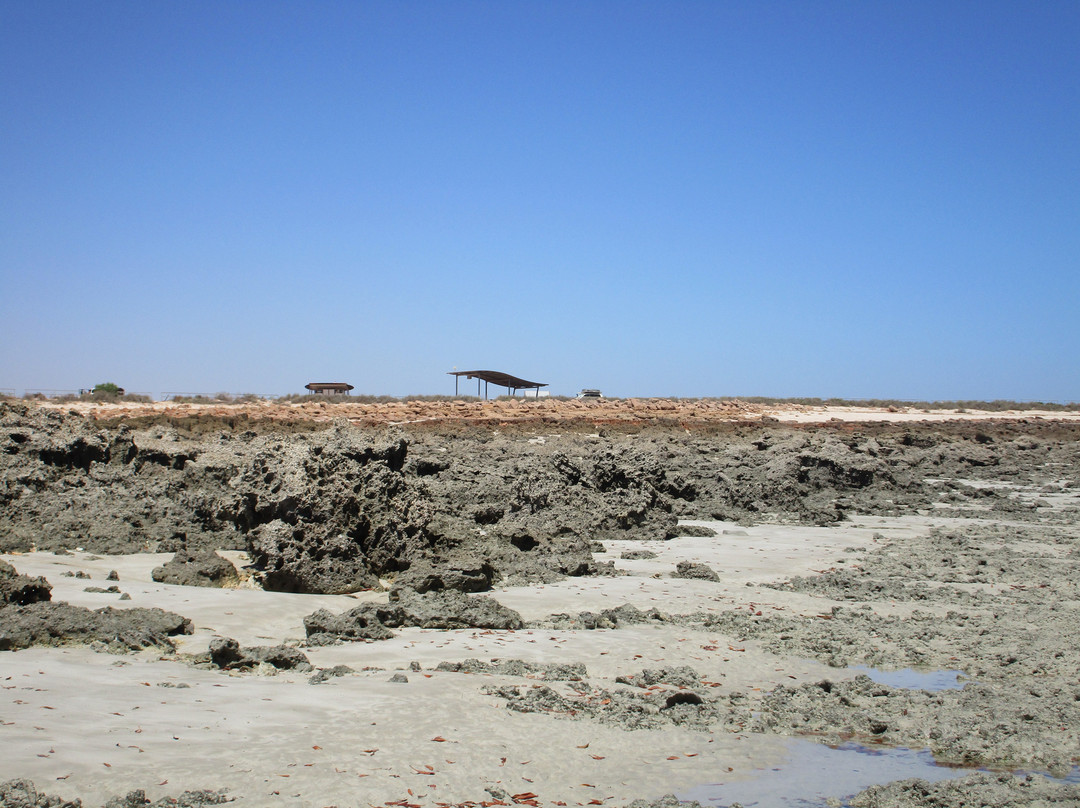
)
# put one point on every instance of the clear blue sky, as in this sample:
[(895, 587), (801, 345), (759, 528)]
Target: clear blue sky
[(858, 199)]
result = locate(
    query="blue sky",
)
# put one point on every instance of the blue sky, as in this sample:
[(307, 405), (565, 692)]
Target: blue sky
[(854, 199)]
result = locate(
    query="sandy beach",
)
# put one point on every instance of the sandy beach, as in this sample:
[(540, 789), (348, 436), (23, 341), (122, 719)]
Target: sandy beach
[(276, 735)]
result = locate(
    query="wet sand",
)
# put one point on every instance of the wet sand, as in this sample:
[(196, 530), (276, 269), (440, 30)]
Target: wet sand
[(117, 723)]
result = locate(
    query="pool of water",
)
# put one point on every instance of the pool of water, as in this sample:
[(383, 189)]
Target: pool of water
[(914, 680), (814, 772)]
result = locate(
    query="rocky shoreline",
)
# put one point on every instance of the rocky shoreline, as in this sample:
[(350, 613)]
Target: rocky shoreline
[(336, 509), (452, 527)]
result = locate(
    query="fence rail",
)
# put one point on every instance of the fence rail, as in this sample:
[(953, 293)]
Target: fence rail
[(41, 391), (34, 392)]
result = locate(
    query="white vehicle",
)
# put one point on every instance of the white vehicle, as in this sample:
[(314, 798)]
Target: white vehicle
[(590, 393)]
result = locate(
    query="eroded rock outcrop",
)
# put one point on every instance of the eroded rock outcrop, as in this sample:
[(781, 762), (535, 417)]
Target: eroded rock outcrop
[(336, 508), (64, 624), (440, 609), (330, 511), (689, 569), (226, 653), (20, 590), (197, 568)]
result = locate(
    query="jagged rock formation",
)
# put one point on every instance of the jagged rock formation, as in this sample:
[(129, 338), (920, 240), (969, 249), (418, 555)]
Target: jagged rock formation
[(329, 511), (458, 507), (46, 623), (21, 590)]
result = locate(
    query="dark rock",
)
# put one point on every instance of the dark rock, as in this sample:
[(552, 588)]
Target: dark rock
[(20, 590), (227, 654), (607, 569), (197, 568), (292, 559), (334, 510), (465, 575), (63, 624), (627, 614), (399, 678), (450, 609), (623, 615), (438, 609), (319, 512), (333, 514), (325, 674), (687, 569), (360, 623)]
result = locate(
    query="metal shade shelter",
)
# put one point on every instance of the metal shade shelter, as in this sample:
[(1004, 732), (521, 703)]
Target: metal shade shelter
[(511, 383)]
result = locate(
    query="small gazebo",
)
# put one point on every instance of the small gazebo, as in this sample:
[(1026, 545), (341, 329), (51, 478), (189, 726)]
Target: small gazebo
[(329, 388)]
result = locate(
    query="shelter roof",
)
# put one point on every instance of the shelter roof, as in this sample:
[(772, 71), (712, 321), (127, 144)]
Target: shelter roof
[(498, 377)]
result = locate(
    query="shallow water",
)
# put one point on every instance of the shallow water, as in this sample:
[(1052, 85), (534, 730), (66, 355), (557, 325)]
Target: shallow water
[(912, 679), (815, 772)]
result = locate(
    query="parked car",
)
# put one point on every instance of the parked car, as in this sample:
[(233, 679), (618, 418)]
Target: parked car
[(589, 392)]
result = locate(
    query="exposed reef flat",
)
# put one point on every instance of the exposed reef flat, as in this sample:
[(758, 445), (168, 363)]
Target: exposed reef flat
[(561, 607)]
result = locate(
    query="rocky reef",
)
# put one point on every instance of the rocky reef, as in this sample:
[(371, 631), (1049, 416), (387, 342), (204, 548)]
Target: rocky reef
[(341, 508)]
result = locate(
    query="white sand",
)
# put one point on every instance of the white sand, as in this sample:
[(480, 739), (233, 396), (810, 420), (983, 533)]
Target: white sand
[(95, 725)]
